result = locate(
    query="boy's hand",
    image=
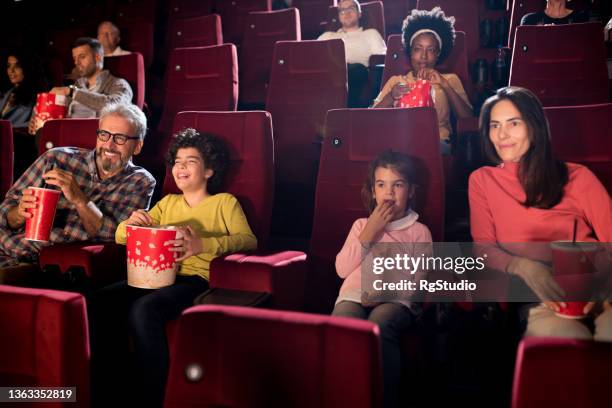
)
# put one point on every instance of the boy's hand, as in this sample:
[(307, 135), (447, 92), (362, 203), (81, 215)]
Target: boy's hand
[(189, 244), (140, 218)]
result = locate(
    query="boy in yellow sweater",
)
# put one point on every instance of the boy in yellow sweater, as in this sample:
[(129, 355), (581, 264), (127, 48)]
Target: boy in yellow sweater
[(212, 224)]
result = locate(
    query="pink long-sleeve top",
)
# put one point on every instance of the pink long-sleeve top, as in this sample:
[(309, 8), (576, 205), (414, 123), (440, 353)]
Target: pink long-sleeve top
[(348, 260), (498, 215)]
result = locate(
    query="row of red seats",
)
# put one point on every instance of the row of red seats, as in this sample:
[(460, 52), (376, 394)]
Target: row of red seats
[(348, 147), (287, 358)]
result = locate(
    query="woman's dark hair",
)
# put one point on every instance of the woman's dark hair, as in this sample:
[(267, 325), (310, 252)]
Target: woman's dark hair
[(542, 177), (212, 149), (34, 79), (388, 159), (434, 20)]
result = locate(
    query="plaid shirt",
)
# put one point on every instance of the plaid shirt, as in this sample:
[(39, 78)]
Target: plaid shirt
[(116, 197)]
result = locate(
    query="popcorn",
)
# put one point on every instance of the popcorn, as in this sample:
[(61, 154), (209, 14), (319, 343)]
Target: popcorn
[(420, 95)]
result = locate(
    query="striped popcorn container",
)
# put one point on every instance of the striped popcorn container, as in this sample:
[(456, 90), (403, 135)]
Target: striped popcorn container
[(150, 263)]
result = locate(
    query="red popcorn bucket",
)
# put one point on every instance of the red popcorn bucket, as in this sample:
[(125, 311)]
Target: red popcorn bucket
[(38, 227), (150, 263), (49, 106), (573, 270), (420, 95)]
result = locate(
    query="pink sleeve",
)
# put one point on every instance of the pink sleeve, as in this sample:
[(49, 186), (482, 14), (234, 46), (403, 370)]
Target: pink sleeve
[(352, 253), (597, 205), (482, 225)]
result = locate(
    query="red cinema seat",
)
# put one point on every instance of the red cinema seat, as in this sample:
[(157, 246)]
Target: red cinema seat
[(263, 30), (395, 13), (137, 36), (68, 132), (466, 13), (372, 16), (522, 7), (347, 150), (131, 68), (198, 79), (561, 373), (234, 15), (583, 134), (313, 15), (563, 65), (6, 157), (398, 63), (44, 342), (308, 78), (519, 9), (288, 359), (200, 31)]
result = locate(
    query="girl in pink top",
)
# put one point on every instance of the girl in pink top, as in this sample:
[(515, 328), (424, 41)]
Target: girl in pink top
[(386, 193), (531, 197)]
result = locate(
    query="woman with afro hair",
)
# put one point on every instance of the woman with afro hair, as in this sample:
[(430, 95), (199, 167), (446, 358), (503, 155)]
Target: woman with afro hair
[(428, 38)]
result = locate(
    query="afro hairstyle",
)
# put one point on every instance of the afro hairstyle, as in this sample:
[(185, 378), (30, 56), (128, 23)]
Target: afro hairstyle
[(434, 20)]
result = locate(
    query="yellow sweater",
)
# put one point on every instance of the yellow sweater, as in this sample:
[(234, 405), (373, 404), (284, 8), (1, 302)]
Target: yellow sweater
[(218, 219)]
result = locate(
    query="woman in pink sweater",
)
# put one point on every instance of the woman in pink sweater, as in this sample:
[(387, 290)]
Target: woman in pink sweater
[(386, 193), (531, 197)]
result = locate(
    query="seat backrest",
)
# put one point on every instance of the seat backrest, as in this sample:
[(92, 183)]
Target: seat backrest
[(68, 132), (372, 16), (7, 157), (199, 31), (308, 78), (200, 79), (466, 13), (138, 37), (578, 368), (234, 15), (288, 359), (44, 340), (583, 134), (131, 68), (263, 30), (519, 9), (563, 65), (353, 138), (313, 15), (395, 13), (398, 63), (251, 177)]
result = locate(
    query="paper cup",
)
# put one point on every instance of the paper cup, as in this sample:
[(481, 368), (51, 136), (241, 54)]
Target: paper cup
[(49, 106), (573, 270), (150, 263), (38, 227)]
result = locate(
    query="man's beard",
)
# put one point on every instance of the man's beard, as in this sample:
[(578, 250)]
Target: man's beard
[(107, 164)]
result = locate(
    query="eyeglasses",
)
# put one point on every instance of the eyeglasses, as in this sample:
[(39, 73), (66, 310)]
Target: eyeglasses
[(351, 9), (118, 138)]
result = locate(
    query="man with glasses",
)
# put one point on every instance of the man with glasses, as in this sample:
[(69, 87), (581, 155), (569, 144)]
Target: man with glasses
[(359, 45), (100, 187)]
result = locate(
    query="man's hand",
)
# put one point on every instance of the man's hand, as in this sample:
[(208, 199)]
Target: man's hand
[(66, 182), (60, 90)]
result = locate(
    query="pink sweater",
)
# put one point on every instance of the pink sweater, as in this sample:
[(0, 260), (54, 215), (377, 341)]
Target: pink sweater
[(348, 260), (497, 214)]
